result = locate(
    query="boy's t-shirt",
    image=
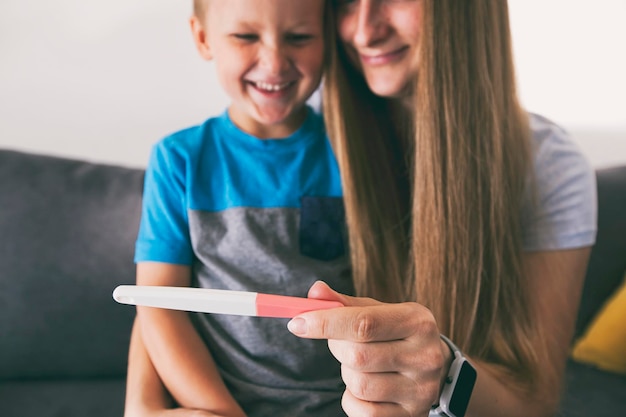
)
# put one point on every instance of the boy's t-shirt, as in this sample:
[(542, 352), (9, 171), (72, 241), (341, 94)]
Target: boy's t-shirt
[(255, 215)]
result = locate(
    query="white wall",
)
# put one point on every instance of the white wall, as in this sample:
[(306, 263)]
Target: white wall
[(101, 80), (104, 80), (571, 63)]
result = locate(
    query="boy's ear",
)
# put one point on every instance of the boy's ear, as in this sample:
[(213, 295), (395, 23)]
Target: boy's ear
[(200, 38)]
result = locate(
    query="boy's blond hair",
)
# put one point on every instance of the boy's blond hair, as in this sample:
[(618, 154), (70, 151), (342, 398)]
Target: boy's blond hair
[(200, 7)]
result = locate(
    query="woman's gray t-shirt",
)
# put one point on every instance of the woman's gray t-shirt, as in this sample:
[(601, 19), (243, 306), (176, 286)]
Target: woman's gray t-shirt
[(560, 211)]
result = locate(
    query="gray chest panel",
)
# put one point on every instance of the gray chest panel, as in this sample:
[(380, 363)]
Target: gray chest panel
[(252, 249)]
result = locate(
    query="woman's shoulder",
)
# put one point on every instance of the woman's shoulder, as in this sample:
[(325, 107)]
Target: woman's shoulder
[(561, 209), (553, 150), (550, 141)]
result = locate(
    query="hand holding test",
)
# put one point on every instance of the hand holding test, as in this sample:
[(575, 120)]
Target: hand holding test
[(203, 300)]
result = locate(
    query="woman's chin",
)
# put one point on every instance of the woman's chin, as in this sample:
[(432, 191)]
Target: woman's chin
[(387, 88), (391, 93)]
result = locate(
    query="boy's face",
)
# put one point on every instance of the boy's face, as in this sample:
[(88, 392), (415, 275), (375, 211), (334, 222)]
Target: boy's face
[(268, 55)]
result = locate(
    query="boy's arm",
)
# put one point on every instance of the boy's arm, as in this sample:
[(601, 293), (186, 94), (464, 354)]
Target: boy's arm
[(177, 351), (146, 395)]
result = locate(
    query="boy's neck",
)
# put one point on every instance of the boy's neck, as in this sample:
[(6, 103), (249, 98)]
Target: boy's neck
[(280, 130)]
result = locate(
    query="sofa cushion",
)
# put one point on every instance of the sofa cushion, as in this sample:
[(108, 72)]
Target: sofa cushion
[(604, 342), (592, 392), (67, 232), (71, 398)]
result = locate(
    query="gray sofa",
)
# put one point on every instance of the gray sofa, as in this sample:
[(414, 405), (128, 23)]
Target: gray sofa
[(67, 230)]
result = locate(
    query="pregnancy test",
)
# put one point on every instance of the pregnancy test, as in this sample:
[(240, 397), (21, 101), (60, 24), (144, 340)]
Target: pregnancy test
[(204, 300)]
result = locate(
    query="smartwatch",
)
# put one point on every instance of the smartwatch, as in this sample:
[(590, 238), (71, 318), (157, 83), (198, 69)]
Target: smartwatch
[(458, 386)]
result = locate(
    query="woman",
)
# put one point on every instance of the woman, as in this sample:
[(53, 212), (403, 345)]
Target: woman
[(497, 256), (467, 216)]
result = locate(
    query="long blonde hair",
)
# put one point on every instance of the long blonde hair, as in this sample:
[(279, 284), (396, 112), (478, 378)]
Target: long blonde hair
[(433, 198)]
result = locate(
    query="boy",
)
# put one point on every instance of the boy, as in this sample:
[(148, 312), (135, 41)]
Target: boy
[(249, 200)]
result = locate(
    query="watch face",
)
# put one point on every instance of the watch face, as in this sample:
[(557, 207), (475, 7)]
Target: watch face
[(462, 390)]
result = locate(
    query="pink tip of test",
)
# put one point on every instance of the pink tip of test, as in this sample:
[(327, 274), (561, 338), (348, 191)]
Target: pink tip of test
[(205, 300), (281, 306)]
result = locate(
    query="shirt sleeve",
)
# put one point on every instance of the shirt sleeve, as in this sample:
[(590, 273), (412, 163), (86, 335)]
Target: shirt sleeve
[(560, 209), (164, 227)]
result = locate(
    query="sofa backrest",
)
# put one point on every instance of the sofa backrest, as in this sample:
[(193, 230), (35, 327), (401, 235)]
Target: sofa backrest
[(607, 264), (67, 233)]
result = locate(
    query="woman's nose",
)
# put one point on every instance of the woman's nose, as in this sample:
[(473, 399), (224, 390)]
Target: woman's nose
[(369, 23)]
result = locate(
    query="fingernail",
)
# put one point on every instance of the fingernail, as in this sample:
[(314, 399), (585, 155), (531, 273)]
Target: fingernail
[(297, 326)]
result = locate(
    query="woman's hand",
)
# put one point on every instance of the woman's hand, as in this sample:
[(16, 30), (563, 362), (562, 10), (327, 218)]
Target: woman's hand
[(393, 361)]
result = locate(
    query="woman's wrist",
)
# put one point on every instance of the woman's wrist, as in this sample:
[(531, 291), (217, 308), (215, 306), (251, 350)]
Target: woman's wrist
[(448, 355), (458, 384)]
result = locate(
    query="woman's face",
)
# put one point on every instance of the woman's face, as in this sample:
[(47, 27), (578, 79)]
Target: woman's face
[(381, 38)]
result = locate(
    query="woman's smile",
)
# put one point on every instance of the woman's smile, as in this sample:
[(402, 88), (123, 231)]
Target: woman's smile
[(383, 58)]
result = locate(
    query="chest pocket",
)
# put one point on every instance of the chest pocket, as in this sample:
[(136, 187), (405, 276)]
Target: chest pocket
[(322, 227)]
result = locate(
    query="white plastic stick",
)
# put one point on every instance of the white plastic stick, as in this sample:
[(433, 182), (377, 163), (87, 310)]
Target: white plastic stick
[(241, 303)]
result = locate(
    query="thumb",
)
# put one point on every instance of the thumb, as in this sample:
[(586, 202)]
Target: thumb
[(321, 291)]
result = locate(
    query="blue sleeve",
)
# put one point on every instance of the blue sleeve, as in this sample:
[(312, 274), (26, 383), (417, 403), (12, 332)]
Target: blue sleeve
[(561, 208), (164, 227)]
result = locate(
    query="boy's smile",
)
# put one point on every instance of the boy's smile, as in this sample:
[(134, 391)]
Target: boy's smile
[(269, 87), (268, 55)]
